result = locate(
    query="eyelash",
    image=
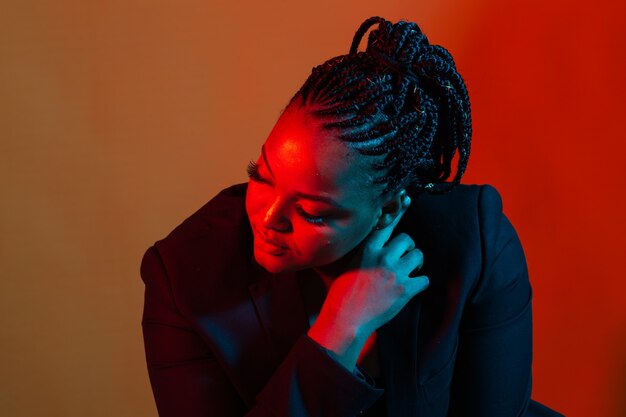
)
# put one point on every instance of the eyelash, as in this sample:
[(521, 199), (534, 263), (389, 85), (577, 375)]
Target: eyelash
[(316, 220), (253, 173)]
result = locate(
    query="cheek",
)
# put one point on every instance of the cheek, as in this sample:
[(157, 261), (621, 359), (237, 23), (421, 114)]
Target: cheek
[(322, 247), (254, 200), (315, 244)]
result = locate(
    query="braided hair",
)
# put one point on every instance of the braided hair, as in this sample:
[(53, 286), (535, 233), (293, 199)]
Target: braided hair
[(401, 100)]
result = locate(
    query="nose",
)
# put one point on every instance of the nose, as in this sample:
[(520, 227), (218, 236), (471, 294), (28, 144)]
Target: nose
[(274, 218)]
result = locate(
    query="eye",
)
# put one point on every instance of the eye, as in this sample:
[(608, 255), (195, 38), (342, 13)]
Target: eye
[(253, 173), (317, 220)]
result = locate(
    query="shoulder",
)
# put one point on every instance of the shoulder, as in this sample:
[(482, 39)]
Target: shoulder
[(210, 249), (458, 232), (223, 213), (467, 209), (215, 236), (463, 200)]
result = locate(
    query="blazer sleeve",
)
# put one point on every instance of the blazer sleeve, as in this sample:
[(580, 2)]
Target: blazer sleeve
[(493, 369), (188, 381)]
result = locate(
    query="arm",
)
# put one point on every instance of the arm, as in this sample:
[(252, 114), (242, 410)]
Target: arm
[(187, 380), (493, 369)]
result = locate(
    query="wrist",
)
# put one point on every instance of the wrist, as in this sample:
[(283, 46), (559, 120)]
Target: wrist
[(343, 344)]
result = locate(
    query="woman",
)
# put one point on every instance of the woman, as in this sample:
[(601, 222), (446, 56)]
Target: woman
[(348, 277)]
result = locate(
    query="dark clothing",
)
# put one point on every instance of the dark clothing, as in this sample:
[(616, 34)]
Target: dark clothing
[(224, 337)]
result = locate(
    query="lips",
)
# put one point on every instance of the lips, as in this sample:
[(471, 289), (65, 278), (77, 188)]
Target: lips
[(274, 243), (270, 248), (271, 243)]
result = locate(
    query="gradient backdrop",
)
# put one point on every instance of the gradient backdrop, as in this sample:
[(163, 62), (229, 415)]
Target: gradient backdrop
[(120, 118)]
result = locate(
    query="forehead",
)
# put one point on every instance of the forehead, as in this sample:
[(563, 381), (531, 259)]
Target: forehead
[(307, 158)]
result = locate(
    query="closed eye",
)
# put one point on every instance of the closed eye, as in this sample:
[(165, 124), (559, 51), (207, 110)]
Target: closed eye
[(253, 173), (317, 220)]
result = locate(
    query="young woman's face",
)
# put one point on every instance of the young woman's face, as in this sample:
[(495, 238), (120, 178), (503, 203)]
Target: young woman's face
[(308, 201)]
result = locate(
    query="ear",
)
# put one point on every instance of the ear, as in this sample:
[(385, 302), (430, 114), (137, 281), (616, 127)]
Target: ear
[(392, 208)]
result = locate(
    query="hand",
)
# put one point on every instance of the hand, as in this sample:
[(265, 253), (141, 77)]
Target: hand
[(375, 287)]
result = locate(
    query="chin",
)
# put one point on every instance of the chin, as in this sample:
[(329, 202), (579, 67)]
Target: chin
[(272, 263)]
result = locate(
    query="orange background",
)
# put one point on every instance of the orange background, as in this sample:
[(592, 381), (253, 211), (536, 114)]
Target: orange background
[(118, 119)]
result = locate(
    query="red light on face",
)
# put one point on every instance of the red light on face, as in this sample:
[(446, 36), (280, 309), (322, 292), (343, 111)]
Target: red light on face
[(302, 195)]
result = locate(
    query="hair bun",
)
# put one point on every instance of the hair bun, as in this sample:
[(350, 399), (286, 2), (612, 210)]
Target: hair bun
[(399, 44)]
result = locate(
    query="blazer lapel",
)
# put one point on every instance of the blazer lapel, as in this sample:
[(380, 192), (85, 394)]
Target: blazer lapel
[(398, 347), (250, 328), (280, 310)]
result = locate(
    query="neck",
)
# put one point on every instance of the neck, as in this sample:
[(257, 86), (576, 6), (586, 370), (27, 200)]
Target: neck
[(329, 272), (326, 279)]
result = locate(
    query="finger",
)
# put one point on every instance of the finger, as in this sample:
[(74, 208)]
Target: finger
[(379, 237), (398, 246), (411, 262), (416, 285)]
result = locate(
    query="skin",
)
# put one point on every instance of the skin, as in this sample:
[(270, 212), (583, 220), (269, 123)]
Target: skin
[(345, 243)]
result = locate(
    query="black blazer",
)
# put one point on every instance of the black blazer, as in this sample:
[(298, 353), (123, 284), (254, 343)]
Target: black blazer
[(224, 337)]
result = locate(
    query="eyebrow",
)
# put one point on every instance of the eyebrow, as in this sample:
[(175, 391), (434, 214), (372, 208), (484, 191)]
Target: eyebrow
[(320, 198)]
